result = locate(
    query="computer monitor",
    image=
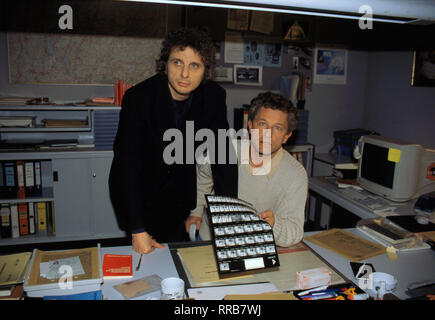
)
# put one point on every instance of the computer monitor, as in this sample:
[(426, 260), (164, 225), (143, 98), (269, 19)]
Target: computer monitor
[(396, 170)]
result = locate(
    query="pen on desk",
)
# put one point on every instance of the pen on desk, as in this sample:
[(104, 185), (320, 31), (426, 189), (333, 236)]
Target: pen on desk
[(140, 260), (312, 290)]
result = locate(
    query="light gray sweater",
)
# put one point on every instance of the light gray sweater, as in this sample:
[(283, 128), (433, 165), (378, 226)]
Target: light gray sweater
[(283, 190)]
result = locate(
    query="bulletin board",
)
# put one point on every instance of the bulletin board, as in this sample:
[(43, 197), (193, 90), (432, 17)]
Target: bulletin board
[(253, 55), (91, 59), (80, 59)]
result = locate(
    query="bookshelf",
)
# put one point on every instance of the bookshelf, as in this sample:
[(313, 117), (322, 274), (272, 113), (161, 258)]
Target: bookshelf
[(73, 180)]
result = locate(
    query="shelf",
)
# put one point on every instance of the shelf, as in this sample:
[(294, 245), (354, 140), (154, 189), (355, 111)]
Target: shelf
[(56, 108), (57, 153), (34, 238), (332, 159), (47, 195), (44, 129)]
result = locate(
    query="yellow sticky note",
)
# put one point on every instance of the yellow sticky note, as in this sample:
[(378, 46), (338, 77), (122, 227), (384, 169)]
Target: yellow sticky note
[(391, 252), (394, 155)]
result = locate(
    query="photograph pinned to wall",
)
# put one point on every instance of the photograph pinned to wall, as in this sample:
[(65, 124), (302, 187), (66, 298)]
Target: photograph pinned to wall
[(223, 74), (253, 52), (273, 54), (248, 75), (238, 19), (423, 69), (330, 66)]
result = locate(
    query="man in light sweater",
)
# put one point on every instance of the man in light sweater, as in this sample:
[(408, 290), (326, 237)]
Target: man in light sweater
[(274, 182)]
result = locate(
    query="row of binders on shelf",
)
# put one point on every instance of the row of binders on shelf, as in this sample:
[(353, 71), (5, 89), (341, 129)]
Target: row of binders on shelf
[(20, 179), (29, 218)]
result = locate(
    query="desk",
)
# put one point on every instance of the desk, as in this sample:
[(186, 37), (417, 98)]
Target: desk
[(411, 266), (158, 261), (165, 263), (327, 190), (323, 163)]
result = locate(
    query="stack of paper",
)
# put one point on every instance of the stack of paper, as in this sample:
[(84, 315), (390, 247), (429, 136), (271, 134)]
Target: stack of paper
[(13, 268), (64, 272)]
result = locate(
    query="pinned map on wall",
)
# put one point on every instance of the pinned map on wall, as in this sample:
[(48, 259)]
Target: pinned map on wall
[(80, 59)]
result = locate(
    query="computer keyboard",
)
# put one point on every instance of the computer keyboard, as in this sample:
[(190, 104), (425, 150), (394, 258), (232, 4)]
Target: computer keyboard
[(368, 200)]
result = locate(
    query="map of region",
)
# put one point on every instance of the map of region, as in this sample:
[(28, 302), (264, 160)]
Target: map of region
[(80, 59)]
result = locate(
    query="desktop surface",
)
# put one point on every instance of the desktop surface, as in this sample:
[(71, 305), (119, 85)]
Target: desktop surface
[(410, 267), (367, 206)]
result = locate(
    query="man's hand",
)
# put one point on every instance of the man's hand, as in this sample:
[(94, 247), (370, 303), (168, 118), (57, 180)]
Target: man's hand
[(192, 220), (268, 216), (144, 243)]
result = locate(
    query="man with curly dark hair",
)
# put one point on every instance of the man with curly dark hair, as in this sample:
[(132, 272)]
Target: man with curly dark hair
[(151, 197)]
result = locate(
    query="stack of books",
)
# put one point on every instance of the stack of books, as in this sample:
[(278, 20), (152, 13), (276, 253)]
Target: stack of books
[(345, 170), (346, 174), (14, 101)]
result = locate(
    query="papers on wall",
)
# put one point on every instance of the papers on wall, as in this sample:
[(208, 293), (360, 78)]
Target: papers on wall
[(262, 22), (253, 52), (233, 47), (238, 19), (223, 74), (273, 54)]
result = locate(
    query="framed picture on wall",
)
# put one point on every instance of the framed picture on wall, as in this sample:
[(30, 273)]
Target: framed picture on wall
[(223, 74), (330, 66), (423, 69), (248, 75)]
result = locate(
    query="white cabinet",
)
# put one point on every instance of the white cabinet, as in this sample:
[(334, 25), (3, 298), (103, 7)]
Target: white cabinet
[(77, 183), (74, 180), (72, 195), (104, 220)]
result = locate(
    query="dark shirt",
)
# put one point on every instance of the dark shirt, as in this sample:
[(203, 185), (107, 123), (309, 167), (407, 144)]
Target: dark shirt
[(181, 107)]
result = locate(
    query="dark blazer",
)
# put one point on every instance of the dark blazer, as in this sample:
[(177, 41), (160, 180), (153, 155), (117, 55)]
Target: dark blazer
[(139, 175)]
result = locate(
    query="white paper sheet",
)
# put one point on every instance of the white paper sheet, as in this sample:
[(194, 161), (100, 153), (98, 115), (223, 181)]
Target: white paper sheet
[(50, 269), (218, 293), (233, 47)]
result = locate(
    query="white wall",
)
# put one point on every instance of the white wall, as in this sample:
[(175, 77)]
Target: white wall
[(393, 107), (337, 107)]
